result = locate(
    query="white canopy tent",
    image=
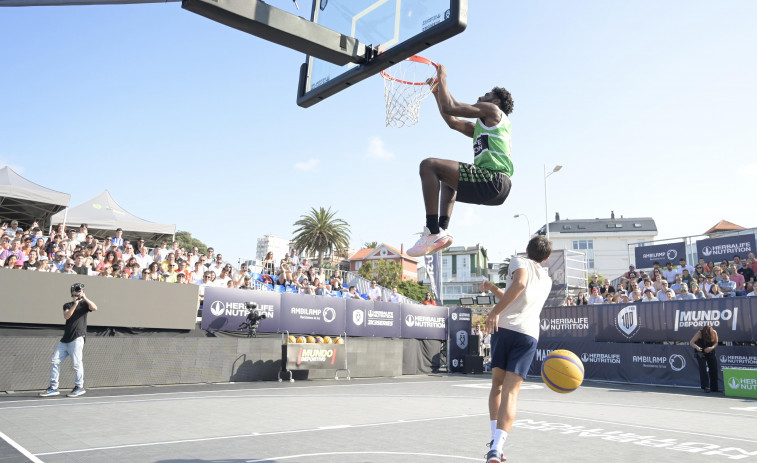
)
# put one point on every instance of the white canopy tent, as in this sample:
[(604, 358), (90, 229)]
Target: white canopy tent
[(27, 202), (103, 216)]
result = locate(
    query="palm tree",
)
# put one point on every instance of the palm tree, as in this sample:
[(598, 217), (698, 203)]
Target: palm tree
[(504, 269), (319, 232), (370, 244)]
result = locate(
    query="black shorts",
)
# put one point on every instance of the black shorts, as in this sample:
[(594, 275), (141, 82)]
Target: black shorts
[(479, 185)]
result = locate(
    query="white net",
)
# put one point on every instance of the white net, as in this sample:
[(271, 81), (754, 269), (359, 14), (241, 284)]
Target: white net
[(404, 88)]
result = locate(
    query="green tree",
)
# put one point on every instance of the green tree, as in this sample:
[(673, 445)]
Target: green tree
[(387, 273), (504, 269), (412, 290), (187, 242), (370, 244), (320, 232)]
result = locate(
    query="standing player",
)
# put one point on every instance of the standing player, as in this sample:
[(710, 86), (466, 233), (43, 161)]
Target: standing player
[(486, 181), (514, 324)]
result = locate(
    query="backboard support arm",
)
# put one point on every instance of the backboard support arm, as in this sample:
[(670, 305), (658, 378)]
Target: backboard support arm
[(257, 18)]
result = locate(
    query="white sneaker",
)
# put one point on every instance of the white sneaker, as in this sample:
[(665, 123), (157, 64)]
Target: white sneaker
[(429, 243)]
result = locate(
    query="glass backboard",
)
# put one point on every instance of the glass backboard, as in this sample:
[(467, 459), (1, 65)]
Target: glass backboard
[(399, 28)]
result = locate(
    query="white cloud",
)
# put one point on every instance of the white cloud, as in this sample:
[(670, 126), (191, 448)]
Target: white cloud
[(308, 166), (377, 150), (750, 170)]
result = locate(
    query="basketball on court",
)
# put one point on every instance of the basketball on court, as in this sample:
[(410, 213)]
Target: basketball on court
[(562, 371), (327, 340), (300, 340), (311, 340)]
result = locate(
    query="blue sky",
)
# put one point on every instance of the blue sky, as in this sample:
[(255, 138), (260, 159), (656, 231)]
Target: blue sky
[(649, 105)]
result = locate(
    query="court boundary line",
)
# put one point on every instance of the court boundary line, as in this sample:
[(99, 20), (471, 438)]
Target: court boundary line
[(21, 449), (286, 457)]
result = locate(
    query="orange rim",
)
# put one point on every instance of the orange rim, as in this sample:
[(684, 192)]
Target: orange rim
[(414, 58)]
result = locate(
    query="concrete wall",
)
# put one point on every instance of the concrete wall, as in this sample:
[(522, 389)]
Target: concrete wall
[(151, 360)]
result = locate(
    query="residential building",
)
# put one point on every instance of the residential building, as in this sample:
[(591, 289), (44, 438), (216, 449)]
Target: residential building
[(463, 270), (369, 256), (272, 243), (604, 241)]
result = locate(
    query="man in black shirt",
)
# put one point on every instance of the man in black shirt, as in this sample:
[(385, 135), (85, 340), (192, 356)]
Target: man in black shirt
[(72, 342)]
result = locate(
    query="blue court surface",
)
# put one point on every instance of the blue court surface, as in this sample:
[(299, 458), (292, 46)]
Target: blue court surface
[(407, 419)]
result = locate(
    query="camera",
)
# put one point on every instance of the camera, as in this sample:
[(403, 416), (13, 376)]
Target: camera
[(253, 319), (76, 287)]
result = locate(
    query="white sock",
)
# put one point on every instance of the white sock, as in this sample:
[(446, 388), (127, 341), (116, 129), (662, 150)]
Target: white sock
[(499, 440), (493, 424)]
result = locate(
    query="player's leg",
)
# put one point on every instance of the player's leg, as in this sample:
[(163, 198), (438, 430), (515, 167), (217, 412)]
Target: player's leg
[(438, 177), (509, 401)]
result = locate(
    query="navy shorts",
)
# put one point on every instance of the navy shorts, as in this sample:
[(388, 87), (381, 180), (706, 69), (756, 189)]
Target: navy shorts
[(513, 351)]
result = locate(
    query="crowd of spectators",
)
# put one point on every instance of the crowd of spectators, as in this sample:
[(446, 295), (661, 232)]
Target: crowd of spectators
[(76, 251), (705, 280)]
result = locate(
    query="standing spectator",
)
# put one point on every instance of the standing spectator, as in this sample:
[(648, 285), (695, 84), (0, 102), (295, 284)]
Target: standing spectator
[(594, 283), (82, 235), (294, 257), (704, 344), (670, 273), (268, 264), (72, 342), (631, 274), (119, 239), (429, 299), (683, 265), (374, 292)]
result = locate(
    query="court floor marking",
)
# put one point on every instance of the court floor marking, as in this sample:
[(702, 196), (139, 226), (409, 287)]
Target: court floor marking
[(436, 455), (654, 428), (263, 434), (16, 446), (645, 407)]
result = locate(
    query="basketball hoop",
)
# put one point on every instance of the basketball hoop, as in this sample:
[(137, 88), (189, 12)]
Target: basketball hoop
[(404, 89)]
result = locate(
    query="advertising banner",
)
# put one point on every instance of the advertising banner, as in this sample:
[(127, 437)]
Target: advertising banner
[(740, 383), (732, 318), (717, 249), (459, 337), (632, 363), (313, 356), (569, 323), (662, 253), (369, 318), (637, 322), (224, 309), (424, 321), (310, 314)]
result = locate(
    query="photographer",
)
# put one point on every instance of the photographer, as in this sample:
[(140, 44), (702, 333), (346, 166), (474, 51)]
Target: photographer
[(72, 342), (253, 319), (704, 344)]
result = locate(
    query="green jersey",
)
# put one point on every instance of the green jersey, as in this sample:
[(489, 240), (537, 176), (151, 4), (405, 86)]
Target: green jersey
[(491, 146)]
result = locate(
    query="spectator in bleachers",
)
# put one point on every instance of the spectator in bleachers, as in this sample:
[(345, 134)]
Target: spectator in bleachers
[(696, 291), (119, 238), (10, 262), (747, 274), (738, 280), (181, 278), (31, 260), (196, 275), (295, 258), (169, 273), (662, 293), (374, 292), (5, 242), (594, 283), (286, 260), (753, 291), (68, 267), (246, 282), (223, 278), (305, 287), (708, 282), (110, 260), (649, 295), (305, 264), (569, 301), (429, 300), (670, 295), (595, 297), (686, 277), (724, 266), (727, 287), (13, 250), (80, 267), (71, 242), (685, 295), (581, 299), (182, 268), (605, 288), (352, 291), (318, 287), (395, 296), (217, 265), (715, 292), (670, 273), (128, 252), (676, 286), (683, 265), (635, 295), (13, 229), (170, 259), (238, 277)]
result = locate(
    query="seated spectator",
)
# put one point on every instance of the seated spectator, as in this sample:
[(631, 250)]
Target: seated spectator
[(217, 265), (374, 292), (59, 261), (170, 259), (738, 280), (699, 271), (305, 288), (635, 295), (154, 271), (752, 293), (612, 297), (286, 260), (649, 295), (31, 260), (169, 274), (10, 262), (352, 291), (429, 300), (685, 295), (747, 274), (670, 295), (181, 278), (647, 284), (68, 267), (594, 283), (581, 299), (238, 277), (727, 287), (338, 284), (676, 286), (715, 292), (631, 274), (222, 280), (395, 296), (111, 259), (569, 301), (707, 284), (686, 277), (79, 267), (268, 264), (318, 287), (196, 275), (705, 268), (696, 291), (595, 298), (135, 273), (605, 288), (246, 282), (662, 294), (305, 265), (128, 252), (5, 242), (669, 273), (15, 250)]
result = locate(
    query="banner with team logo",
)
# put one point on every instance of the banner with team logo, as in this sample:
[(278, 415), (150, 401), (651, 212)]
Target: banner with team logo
[(637, 322), (424, 321), (459, 337), (629, 363), (369, 318), (717, 249), (737, 357), (314, 356), (646, 256), (310, 314), (224, 309), (570, 323)]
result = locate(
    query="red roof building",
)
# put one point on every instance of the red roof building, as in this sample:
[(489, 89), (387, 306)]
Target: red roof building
[(385, 252), (723, 226)]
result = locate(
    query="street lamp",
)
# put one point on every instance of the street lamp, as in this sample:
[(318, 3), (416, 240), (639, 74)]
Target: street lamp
[(527, 221), (546, 204)]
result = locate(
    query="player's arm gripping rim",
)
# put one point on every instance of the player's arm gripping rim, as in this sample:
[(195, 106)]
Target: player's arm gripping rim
[(519, 280), (488, 112)]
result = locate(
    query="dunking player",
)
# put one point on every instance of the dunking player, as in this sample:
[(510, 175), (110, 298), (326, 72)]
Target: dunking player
[(486, 181), (514, 325)]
